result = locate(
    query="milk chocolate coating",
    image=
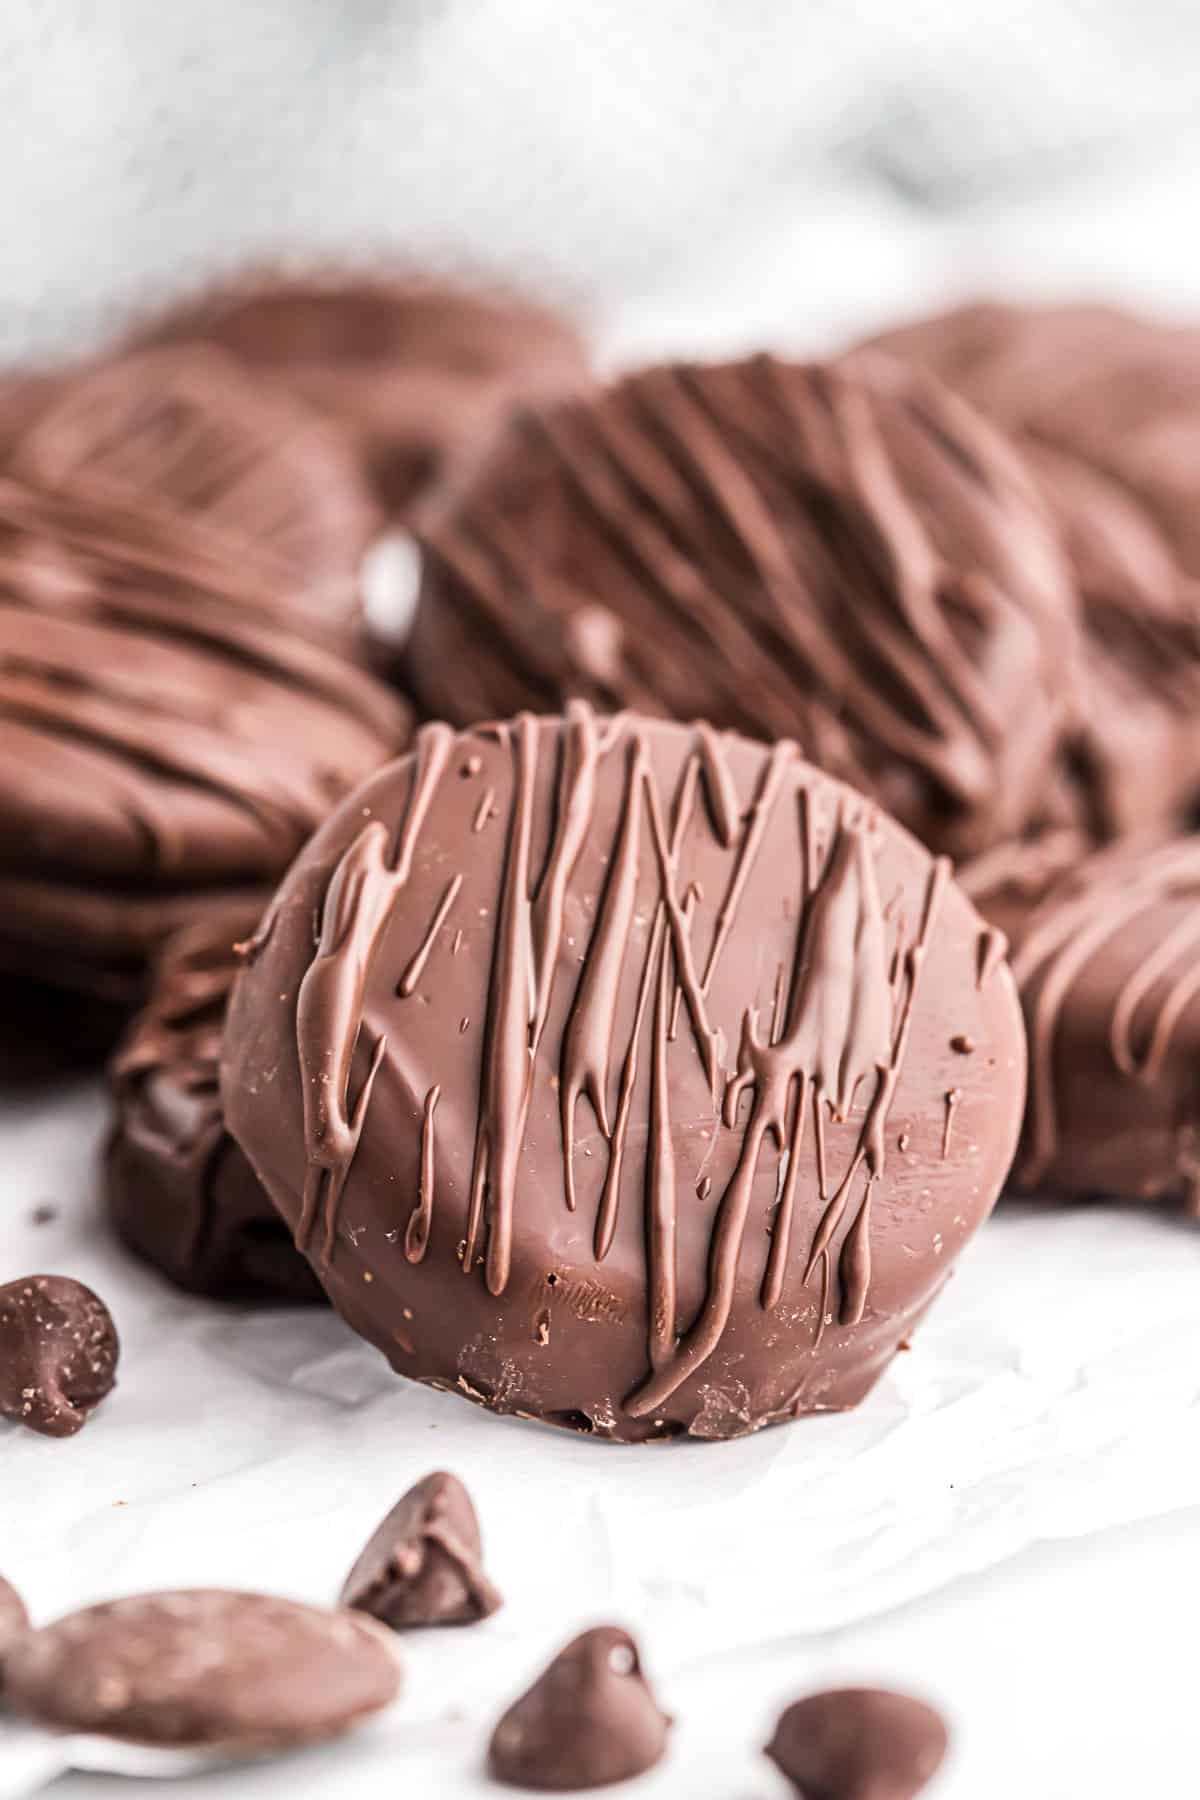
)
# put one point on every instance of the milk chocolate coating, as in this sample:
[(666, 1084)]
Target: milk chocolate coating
[(1107, 963), (1106, 408), (423, 1564), (178, 1189), (162, 741), (589, 1720), (854, 559), (604, 1071), (417, 373), (187, 436), (859, 1744), (235, 1674), (14, 1622), (58, 1353)]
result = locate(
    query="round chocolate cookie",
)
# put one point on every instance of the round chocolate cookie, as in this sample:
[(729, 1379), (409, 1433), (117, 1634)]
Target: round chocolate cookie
[(416, 372), (1107, 963), (161, 743), (854, 559), (1106, 409), (179, 1191), (237, 473), (625, 1075)]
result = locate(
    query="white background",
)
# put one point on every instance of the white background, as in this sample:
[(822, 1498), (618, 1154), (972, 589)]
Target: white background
[(1011, 1525)]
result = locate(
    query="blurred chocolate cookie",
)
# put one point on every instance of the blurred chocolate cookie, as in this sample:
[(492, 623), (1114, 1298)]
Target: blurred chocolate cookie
[(162, 741), (235, 471), (854, 559), (1107, 962), (178, 1189), (1106, 407), (417, 373)]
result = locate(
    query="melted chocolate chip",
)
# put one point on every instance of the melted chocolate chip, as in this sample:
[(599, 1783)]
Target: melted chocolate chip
[(423, 1565), (58, 1353), (858, 1744), (588, 1721), (236, 1673)]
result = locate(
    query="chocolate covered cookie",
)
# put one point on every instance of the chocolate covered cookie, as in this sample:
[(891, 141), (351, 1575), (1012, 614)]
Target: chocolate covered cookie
[(162, 741), (178, 1189), (416, 373), (237, 476), (1107, 962), (626, 1075), (853, 559), (1105, 407)]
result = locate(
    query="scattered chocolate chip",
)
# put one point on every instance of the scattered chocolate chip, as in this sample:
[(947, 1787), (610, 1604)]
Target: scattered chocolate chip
[(14, 1621), (962, 1044), (43, 1214), (58, 1353), (858, 1744), (423, 1565), (238, 1674), (589, 1720)]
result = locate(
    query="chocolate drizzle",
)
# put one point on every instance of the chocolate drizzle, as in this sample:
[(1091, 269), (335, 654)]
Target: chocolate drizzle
[(749, 541), (163, 742), (357, 904)]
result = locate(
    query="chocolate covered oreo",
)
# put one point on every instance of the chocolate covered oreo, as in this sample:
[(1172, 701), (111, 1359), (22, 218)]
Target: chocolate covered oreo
[(416, 373), (855, 559), (611, 1074), (1106, 962), (178, 1189), (229, 1674), (162, 742), (1105, 406), (237, 474)]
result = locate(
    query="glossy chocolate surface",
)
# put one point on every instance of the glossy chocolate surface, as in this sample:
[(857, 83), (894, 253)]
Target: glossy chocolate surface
[(855, 559), (606, 1072), (416, 373), (178, 1189)]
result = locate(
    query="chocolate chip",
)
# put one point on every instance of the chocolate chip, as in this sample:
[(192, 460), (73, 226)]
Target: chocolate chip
[(14, 1621), (962, 1044), (858, 1744), (240, 1674), (58, 1353), (423, 1565), (589, 1720)]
